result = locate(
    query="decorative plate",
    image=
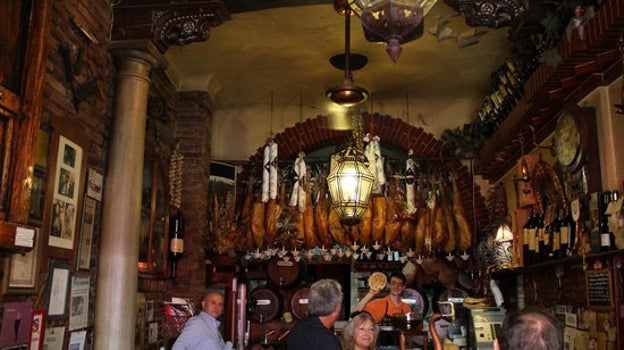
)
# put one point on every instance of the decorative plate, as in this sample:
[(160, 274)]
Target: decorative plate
[(377, 281), (549, 191)]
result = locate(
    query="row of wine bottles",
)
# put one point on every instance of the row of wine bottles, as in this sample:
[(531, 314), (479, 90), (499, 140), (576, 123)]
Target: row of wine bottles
[(505, 93), (542, 242), (548, 237)]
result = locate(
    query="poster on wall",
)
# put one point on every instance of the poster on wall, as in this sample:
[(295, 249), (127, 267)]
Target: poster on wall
[(77, 340), (16, 320), (65, 196), (79, 302)]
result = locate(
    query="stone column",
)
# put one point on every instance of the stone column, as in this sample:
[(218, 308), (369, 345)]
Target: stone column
[(121, 212)]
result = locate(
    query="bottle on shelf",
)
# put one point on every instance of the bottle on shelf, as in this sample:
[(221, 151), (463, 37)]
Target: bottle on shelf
[(526, 238), (555, 235), (176, 240), (607, 239), (539, 237)]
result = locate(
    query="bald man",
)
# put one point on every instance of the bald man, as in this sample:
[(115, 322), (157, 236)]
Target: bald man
[(532, 329), (202, 331)]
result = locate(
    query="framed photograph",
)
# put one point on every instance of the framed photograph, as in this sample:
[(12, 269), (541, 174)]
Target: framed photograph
[(37, 195), (36, 329), (57, 287), (23, 270), (65, 198), (86, 234), (94, 185)]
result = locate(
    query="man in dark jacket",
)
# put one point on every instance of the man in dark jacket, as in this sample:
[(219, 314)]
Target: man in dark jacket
[(324, 306)]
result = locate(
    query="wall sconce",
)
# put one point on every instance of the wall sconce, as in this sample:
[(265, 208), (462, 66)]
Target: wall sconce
[(503, 233), (524, 171)]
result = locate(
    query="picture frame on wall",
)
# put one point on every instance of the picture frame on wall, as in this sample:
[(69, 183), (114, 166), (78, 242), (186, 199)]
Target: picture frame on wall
[(94, 184), (23, 269), (37, 196), (36, 329), (57, 287), (15, 330), (65, 195), (86, 234)]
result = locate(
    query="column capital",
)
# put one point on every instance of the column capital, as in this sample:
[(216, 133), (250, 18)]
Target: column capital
[(142, 50)]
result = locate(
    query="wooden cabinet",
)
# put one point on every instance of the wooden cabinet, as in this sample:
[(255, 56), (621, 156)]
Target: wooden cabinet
[(24, 27)]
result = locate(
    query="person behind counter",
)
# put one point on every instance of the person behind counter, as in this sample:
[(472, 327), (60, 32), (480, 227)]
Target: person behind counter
[(360, 333), (530, 328), (324, 306), (388, 305), (202, 331)]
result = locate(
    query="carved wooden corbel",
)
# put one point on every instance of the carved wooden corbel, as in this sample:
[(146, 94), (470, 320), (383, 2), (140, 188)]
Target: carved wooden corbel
[(168, 24), (491, 13)]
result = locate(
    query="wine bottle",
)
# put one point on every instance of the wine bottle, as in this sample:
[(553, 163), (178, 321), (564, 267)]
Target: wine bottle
[(176, 240), (555, 229), (526, 229), (606, 236), (539, 237)]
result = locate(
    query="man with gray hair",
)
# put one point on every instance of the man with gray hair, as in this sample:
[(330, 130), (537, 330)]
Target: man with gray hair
[(530, 328), (324, 306)]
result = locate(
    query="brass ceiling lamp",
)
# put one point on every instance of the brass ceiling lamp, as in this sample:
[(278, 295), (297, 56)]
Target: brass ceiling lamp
[(347, 94), (350, 181), (392, 21)]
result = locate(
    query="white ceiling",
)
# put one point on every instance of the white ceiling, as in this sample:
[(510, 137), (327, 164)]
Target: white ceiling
[(284, 53)]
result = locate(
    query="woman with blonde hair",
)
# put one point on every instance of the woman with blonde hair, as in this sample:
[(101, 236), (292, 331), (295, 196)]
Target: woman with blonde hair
[(360, 333)]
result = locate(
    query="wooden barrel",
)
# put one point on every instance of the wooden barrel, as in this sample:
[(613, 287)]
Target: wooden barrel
[(299, 302), (283, 272), (265, 303)]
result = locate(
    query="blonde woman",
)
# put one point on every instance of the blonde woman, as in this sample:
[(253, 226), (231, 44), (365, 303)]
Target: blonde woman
[(360, 333)]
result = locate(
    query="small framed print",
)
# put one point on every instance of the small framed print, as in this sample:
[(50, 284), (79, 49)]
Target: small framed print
[(57, 287), (37, 195), (86, 234), (36, 329), (23, 269), (94, 184)]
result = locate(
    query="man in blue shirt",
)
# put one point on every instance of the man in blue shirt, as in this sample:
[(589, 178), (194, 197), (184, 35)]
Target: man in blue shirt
[(202, 331)]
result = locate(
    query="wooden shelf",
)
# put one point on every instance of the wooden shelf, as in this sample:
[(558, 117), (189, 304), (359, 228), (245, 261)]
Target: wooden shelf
[(568, 261)]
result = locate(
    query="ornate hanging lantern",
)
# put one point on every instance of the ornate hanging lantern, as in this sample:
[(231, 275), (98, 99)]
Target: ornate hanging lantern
[(392, 21), (350, 181)]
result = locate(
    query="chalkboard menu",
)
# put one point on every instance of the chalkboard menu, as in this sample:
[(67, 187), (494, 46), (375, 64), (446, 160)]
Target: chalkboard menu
[(599, 291)]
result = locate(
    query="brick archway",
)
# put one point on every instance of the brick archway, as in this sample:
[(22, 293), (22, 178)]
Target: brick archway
[(314, 134)]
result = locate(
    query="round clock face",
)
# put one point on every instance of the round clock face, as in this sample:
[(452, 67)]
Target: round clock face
[(567, 139)]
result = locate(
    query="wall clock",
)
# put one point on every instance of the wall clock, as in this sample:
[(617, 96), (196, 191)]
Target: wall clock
[(570, 139), (576, 149)]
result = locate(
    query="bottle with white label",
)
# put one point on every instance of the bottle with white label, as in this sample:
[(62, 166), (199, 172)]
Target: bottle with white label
[(176, 240)]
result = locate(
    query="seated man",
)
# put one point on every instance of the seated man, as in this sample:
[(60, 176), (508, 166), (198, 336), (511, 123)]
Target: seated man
[(202, 331), (389, 305)]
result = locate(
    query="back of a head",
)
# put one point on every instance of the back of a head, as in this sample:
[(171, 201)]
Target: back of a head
[(325, 295), (530, 329)]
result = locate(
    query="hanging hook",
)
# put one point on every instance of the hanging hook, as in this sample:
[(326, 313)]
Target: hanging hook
[(535, 144)]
